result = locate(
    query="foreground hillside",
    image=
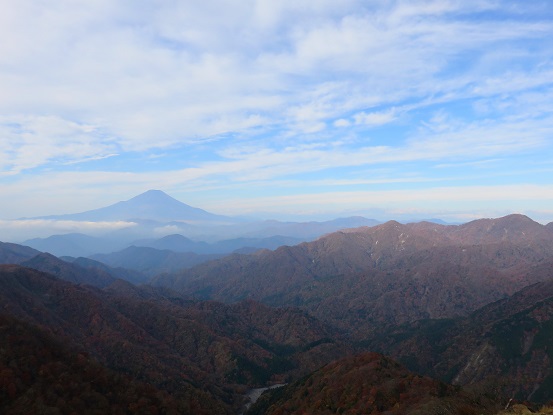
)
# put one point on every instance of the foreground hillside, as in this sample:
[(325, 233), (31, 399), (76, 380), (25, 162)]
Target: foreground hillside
[(370, 384), (519, 409), (204, 355), (388, 274), (40, 374)]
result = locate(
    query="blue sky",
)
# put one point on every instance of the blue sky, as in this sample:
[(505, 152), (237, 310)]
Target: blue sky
[(281, 109)]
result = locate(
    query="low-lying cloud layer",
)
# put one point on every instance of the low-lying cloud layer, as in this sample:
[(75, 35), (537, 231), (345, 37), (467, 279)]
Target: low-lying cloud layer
[(22, 229)]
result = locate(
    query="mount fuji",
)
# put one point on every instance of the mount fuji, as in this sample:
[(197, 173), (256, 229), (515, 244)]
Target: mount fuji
[(153, 205)]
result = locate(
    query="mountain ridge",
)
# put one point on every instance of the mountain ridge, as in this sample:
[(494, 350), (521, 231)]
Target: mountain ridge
[(390, 273), (421, 292), (11, 253)]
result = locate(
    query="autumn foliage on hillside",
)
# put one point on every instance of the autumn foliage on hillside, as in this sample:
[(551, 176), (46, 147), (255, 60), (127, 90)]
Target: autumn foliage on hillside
[(361, 279), (369, 384), (507, 343), (39, 374), (76, 340), (203, 355)]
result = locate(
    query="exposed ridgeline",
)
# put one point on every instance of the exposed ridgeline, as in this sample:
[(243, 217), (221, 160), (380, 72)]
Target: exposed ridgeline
[(182, 357), (369, 277)]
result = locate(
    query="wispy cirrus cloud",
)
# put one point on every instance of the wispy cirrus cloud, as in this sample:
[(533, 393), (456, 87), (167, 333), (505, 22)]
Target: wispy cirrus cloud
[(27, 142), (260, 92), (437, 146)]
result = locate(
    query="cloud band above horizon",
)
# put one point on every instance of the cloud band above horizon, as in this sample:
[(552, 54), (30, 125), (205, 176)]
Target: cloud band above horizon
[(237, 105)]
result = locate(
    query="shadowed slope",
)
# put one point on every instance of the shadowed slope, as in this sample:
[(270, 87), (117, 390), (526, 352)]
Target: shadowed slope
[(184, 348), (368, 384), (507, 343)]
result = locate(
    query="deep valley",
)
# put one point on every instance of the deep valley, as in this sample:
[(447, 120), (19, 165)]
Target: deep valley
[(416, 318)]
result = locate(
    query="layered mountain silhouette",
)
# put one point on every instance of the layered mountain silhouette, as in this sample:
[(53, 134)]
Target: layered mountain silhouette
[(183, 228), (152, 262), (77, 270), (74, 244), (68, 271), (15, 254), (77, 244)]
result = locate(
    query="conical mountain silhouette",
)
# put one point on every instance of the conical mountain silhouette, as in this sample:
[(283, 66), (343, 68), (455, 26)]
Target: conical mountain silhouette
[(151, 205)]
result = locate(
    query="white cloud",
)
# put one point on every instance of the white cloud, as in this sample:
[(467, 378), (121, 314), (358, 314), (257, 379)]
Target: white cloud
[(31, 141), (85, 82), (342, 123), (374, 118), (202, 69), (240, 168), (23, 229)]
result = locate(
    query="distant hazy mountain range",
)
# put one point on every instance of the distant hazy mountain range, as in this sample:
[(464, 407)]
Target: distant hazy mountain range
[(75, 270), (156, 220)]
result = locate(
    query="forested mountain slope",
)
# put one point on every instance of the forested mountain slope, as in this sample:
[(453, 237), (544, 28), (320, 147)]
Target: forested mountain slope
[(370, 384), (387, 274), (508, 343), (187, 349)]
